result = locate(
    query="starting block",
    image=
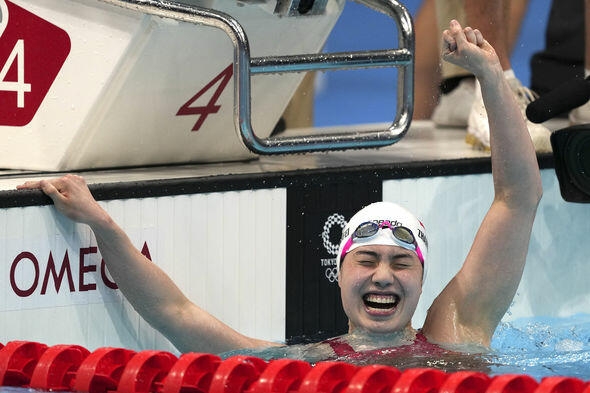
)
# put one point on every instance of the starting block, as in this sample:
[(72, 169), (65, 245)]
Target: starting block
[(117, 83)]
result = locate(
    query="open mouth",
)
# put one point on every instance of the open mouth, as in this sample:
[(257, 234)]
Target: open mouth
[(379, 303)]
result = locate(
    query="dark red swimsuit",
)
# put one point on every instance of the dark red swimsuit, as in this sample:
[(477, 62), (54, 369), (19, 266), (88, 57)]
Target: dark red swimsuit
[(420, 346)]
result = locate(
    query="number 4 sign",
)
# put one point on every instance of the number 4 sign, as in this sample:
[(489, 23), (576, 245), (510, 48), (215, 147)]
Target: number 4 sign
[(32, 51), (203, 111)]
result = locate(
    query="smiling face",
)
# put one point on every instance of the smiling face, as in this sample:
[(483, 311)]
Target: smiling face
[(380, 287)]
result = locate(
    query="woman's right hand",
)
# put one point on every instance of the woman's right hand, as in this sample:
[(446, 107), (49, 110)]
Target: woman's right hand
[(71, 197)]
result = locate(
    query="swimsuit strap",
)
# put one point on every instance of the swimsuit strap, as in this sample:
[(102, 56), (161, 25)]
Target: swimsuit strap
[(421, 337), (340, 348)]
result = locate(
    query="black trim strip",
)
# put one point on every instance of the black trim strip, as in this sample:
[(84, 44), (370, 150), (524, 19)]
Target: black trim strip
[(278, 179)]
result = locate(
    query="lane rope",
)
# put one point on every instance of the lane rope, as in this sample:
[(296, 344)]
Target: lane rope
[(74, 368)]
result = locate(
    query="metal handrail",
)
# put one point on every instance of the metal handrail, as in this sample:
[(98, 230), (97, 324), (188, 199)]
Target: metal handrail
[(245, 66)]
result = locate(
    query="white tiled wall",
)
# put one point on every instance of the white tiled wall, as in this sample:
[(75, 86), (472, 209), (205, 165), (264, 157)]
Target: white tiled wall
[(555, 280), (225, 250)]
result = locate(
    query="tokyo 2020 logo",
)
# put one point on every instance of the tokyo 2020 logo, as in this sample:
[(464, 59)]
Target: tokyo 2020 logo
[(338, 221)]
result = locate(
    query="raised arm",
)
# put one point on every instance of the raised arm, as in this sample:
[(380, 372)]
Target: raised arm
[(470, 307), (148, 288)]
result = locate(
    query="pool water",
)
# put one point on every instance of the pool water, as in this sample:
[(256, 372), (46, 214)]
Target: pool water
[(538, 347), (544, 346)]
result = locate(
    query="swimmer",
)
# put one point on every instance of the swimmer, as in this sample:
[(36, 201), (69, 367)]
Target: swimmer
[(383, 254)]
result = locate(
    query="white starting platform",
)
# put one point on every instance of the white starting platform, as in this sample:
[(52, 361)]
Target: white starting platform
[(120, 83)]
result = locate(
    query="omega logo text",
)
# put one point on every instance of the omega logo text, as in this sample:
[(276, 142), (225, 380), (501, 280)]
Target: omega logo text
[(50, 273)]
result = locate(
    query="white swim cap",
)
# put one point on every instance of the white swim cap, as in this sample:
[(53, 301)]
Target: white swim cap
[(380, 212)]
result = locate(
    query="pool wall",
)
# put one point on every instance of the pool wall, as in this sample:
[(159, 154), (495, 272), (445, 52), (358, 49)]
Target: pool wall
[(257, 259), (555, 280)]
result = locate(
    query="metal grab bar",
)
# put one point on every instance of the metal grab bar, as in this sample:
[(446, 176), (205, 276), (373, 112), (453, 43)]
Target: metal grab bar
[(245, 66)]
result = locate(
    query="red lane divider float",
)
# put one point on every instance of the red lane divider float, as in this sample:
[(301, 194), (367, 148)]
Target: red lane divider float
[(373, 378), (117, 370), (57, 367), (101, 371), (18, 360), (281, 376), (192, 372), (465, 382)]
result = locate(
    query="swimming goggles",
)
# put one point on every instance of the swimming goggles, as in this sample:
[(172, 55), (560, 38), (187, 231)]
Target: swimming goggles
[(370, 228)]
